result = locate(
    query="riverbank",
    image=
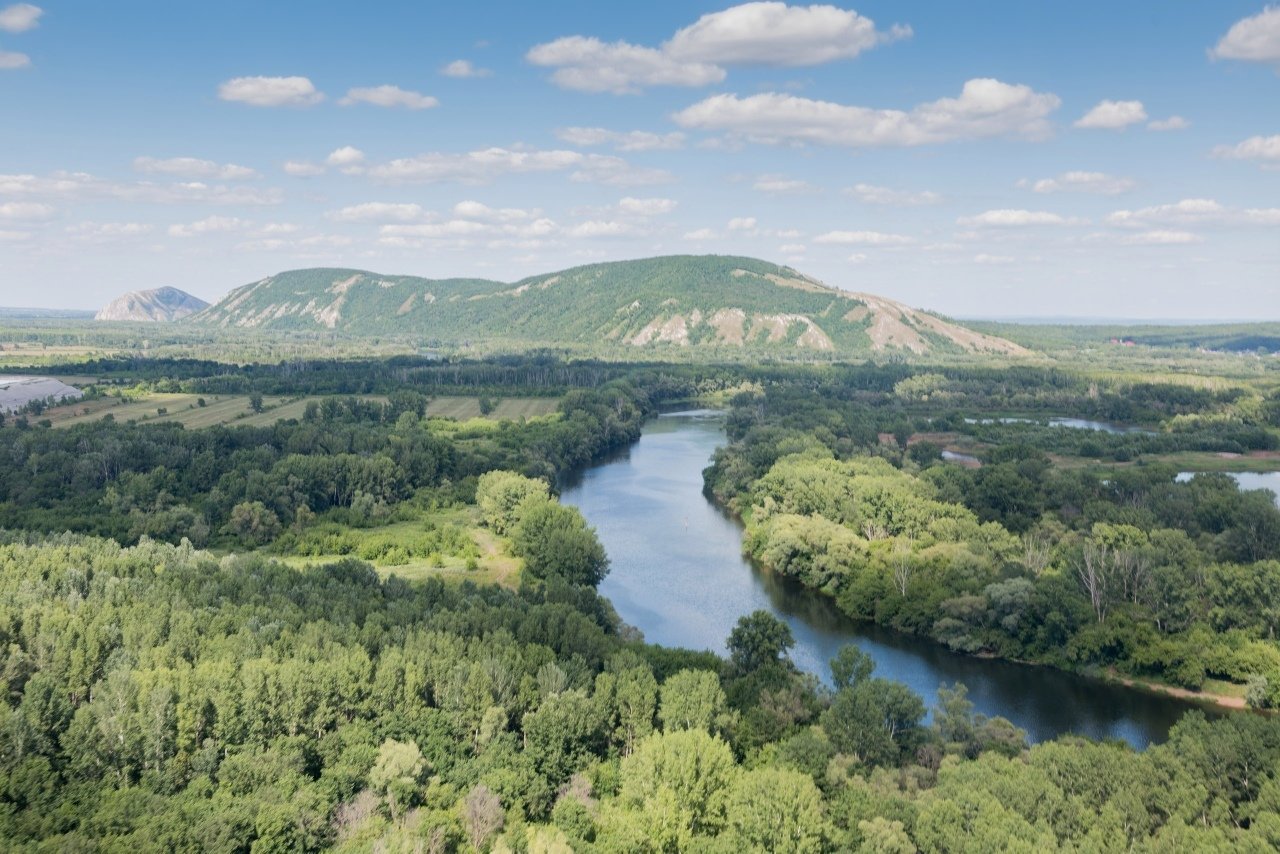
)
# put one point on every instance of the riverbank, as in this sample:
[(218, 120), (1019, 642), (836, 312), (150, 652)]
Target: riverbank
[(1222, 701)]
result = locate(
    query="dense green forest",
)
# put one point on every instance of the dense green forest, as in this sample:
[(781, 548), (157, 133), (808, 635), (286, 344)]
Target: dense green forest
[(211, 641)]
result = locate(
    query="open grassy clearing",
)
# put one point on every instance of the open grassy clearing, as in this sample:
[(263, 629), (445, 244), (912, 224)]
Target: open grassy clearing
[(514, 408), (492, 563)]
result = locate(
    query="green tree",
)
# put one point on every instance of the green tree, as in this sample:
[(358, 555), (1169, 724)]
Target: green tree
[(691, 699), (759, 639), (500, 494), (775, 809), (555, 542), (396, 773)]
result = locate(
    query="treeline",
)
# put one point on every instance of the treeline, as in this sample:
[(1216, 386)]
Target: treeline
[(160, 699), (245, 485), (1019, 558)]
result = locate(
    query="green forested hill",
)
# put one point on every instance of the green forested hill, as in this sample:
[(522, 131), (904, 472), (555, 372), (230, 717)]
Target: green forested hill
[(673, 301)]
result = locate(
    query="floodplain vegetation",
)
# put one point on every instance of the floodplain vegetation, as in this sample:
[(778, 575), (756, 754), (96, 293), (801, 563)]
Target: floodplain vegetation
[(347, 621)]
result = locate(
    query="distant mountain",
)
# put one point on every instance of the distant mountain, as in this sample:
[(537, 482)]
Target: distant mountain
[(158, 305), (673, 302)]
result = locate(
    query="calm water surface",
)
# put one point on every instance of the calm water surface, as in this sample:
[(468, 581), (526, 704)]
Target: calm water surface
[(1249, 480), (679, 576)]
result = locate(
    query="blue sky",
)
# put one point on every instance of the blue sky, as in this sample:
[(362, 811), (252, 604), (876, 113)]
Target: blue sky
[(1010, 159)]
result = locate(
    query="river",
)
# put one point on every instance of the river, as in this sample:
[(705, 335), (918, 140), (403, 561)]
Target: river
[(679, 576)]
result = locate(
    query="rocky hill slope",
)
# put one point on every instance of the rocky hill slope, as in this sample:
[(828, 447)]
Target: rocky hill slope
[(673, 301), (157, 305)]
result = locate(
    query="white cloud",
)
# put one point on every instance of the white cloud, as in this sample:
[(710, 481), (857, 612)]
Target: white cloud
[(772, 33), (191, 167), (700, 234), (271, 91), (469, 209), (82, 186), (389, 96), (473, 166), (26, 211), (1082, 182), (874, 195), (590, 65), (1194, 211), (604, 169), (635, 140), (209, 225), (10, 60), (463, 68), (985, 108), (984, 258), (11, 236), (742, 223), (857, 258), (20, 17), (599, 228), (302, 168), (1007, 218), (792, 249), (1113, 115), (349, 159), (1255, 39), (1171, 123), (95, 231), (378, 212), (1262, 148), (1161, 237), (758, 33), (646, 207), (780, 185), (863, 238)]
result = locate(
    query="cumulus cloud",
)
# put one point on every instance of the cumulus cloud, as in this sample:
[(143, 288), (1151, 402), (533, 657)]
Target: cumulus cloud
[(1161, 237), (349, 159), (10, 60), (1081, 182), (985, 108), (473, 166), (646, 207), (271, 91), (614, 171), (208, 225), (1008, 218), (599, 228), (742, 223), (1193, 212), (634, 140), (1113, 115), (1254, 39), (302, 168), (863, 238), (984, 258), (470, 209), (772, 33), (20, 17), (378, 212), (1171, 123), (761, 33), (26, 211), (874, 195), (463, 68), (108, 231), (780, 185), (1264, 149), (83, 186), (192, 167), (591, 65), (699, 234), (389, 96)]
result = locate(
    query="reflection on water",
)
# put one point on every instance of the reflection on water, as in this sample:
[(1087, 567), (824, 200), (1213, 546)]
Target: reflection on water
[(679, 576), (1072, 423)]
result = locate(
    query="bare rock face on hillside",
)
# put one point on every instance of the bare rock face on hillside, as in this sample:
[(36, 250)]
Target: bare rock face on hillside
[(159, 305), (712, 302)]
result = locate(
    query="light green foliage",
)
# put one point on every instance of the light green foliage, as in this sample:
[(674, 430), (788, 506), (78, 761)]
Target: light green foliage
[(691, 699), (397, 771), (773, 809), (500, 494), (556, 542), (678, 784)]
